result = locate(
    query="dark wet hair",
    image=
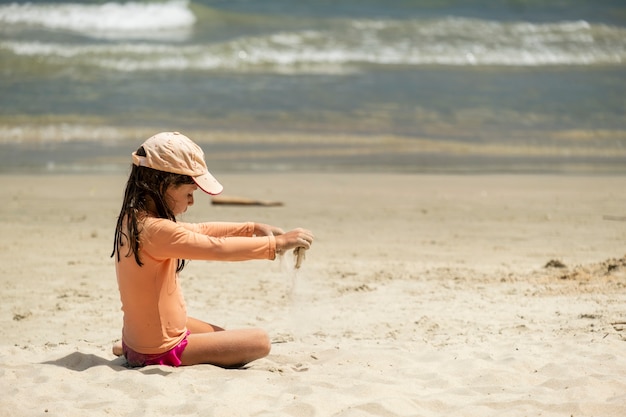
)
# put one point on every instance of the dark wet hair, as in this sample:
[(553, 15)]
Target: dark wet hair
[(144, 185)]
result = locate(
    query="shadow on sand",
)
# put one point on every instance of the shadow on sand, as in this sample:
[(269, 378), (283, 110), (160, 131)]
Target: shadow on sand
[(79, 362)]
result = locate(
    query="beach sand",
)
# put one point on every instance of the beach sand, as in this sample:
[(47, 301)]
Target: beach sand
[(422, 296)]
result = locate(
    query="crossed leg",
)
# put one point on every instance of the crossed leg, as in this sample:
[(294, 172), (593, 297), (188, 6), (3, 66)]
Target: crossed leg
[(213, 345)]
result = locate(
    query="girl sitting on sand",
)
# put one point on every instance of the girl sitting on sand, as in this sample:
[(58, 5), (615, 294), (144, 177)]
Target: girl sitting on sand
[(150, 249)]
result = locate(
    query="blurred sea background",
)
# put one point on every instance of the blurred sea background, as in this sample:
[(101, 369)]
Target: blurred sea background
[(436, 86)]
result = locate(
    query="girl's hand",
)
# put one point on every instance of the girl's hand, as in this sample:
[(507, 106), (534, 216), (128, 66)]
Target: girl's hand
[(296, 238), (261, 229)]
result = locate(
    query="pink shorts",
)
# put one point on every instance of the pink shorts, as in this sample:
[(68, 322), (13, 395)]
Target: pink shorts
[(170, 358)]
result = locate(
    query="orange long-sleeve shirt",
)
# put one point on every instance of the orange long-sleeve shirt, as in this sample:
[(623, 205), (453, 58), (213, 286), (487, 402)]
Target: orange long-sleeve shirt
[(155, 315)]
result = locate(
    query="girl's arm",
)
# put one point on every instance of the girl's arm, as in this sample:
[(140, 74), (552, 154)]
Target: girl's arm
[(223, 229), (166, 239), (220, 229)]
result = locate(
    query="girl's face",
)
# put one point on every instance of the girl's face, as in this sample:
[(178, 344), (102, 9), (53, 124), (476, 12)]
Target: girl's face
[(178, 198)]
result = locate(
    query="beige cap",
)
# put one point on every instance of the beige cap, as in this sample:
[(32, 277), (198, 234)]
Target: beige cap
[(176, 153)]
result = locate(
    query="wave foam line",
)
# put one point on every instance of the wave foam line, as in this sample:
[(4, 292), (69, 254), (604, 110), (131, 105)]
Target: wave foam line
[(108, 20), (454, 42)]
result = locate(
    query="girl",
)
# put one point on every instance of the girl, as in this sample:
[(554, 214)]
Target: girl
[(150, 249)]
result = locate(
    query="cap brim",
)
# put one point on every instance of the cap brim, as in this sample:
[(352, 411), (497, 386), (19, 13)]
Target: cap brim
[(208, 184)]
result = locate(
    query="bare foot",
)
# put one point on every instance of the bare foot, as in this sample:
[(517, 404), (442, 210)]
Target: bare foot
[(117, 349)]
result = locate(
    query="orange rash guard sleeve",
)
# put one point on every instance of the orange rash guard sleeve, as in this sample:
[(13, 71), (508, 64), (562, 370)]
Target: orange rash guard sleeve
[(205, 241)]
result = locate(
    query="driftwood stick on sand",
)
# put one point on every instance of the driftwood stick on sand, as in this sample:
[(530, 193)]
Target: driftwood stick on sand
[(615, 218), (242, 201)]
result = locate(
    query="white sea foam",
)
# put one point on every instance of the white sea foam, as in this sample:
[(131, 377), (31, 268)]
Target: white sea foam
[(352, 44), (109, 20)]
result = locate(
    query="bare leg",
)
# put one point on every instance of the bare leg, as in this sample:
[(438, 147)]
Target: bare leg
[(211, 344), (117, 348), (199, 326), (193, 325), (226, 348)]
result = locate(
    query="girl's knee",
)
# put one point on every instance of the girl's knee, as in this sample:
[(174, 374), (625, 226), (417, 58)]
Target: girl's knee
[(264, 344)]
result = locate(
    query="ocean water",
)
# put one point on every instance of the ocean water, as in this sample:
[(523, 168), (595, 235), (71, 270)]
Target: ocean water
[(389, 85)]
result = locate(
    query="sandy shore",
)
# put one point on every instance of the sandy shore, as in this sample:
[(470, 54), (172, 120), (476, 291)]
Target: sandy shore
[(422, 296)]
